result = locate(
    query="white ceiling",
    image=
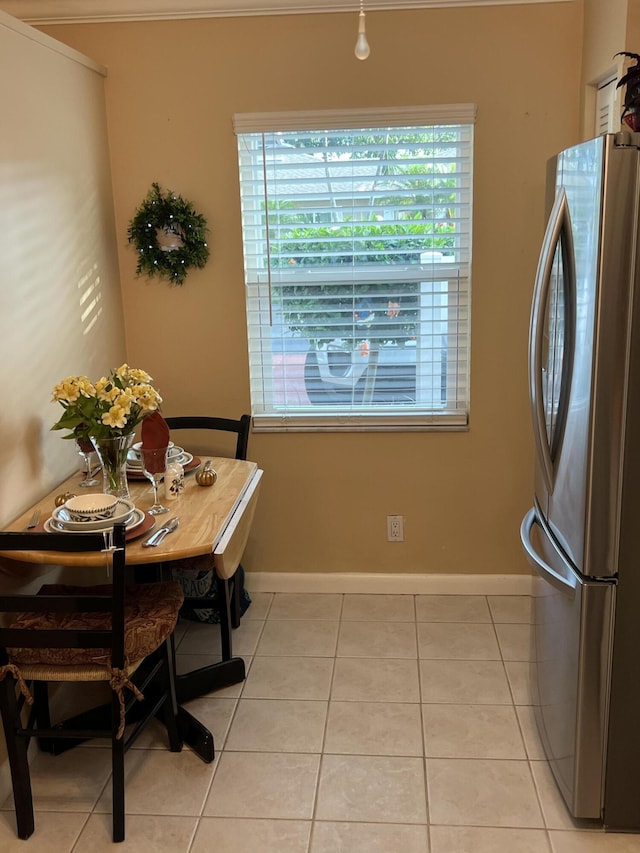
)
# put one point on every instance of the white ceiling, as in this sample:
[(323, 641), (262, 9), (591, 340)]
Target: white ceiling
[(77, 11)]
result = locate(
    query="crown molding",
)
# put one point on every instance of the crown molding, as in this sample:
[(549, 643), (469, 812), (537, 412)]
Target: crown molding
[(103, 11)]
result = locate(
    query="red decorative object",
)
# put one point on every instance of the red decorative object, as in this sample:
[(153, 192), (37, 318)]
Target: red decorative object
[(632, 119)]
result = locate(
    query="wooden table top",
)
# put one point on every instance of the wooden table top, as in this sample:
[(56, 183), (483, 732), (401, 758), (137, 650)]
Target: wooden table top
[(204, 513)]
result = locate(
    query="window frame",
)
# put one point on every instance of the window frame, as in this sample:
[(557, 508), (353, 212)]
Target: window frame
[(259, 283)]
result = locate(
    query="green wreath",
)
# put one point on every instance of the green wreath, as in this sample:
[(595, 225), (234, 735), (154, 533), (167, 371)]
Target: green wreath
[(169, 236)]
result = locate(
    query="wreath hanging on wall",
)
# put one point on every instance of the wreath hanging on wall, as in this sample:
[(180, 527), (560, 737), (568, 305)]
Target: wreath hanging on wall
[(169, 236)]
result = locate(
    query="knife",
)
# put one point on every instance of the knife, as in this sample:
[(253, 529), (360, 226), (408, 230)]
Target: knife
[(157, 537)]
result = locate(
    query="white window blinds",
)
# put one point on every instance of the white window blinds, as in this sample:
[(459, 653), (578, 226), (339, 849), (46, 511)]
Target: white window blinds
[(357, 251)]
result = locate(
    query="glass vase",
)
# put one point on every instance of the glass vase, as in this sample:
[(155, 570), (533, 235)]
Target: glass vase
[(112, 453)]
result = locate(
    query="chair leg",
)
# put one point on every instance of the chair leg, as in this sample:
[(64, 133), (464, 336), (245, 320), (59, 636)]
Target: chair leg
[(170, 708), (117, 772), (224, 607), (18, 762), (235, 598), (40, 692)]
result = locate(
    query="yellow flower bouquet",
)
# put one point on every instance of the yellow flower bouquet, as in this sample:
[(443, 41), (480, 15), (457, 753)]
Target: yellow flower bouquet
[(107, 412), (113, 406)]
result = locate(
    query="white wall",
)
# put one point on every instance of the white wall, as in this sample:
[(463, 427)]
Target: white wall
[(60, 304)]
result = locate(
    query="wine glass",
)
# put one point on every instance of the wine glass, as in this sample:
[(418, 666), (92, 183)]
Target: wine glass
[(87, 451), (154, 465)]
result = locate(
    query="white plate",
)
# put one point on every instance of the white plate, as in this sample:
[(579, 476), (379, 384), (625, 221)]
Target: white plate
[(123, 511), (53, 526), (184, 458), (134, 460)]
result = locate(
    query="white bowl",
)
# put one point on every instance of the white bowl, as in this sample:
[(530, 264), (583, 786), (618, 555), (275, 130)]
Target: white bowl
[(122, 514), (91, 507)]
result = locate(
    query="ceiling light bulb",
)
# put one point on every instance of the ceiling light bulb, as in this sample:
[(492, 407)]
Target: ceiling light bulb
[(362, 45)]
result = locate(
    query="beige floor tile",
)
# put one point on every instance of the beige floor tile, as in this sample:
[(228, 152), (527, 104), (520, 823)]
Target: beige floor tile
[(575, 841), (187, 663), (510, 608), (264, 785), (199, 638), (311, 638), (159, 782), (371, 789), (260, 605), (215, 712), (514, 641), (464, 682), (330, 837), (302, 605), (181, 629), (518, 675), (482, 792), (556, 815), (475, 839), (377, 640), (55, 832), (71, 782), (251, 835), (528, 726), (373, 728), (378, 608), (375, 680), (363, 709), (289, 678), (277, 725), (472, 731), (461, 641), (452, 608), (205, 639), (143, 834)]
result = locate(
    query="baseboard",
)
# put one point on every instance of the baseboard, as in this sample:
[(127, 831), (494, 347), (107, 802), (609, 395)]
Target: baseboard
[(378, 583)]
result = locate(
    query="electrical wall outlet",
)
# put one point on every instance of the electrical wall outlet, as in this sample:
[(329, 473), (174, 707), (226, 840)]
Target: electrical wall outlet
[(395, 528)]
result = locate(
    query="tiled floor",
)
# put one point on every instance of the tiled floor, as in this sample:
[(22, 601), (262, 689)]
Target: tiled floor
[(367, 724)]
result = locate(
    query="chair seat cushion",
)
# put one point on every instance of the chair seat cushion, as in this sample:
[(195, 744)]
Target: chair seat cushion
[(151, 613)]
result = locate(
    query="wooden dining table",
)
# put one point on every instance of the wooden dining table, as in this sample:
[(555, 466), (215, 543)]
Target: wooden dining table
[(212, 520)]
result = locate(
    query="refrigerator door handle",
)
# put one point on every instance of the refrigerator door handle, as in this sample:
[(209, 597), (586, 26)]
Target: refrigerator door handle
[(564, 583), (559, 226)]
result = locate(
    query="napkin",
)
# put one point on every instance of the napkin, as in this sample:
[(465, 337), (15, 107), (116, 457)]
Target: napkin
[(155, 436)]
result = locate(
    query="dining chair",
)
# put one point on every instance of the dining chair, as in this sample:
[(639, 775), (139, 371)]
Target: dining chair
[(112, 632), (224, 591)]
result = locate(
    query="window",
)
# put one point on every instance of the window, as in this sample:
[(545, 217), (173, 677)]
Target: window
[(357, 253)]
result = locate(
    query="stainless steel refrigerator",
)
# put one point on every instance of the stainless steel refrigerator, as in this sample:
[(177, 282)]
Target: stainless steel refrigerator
[(582, 536)]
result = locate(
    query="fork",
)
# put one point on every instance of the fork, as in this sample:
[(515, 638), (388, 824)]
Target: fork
[(33, 521)]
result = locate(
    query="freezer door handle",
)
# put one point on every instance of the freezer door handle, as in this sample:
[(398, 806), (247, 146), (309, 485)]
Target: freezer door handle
[(559, 234), (564, 583)]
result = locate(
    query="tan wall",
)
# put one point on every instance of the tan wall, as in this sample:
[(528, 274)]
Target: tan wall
[(605, 24), (171, 92), (632, 42)]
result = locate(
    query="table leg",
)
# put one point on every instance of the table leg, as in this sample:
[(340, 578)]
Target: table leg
[(93, 722), (201, 681)]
